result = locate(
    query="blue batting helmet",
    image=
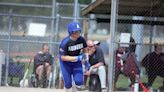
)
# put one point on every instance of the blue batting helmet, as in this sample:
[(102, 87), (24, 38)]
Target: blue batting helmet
[(73, 27)]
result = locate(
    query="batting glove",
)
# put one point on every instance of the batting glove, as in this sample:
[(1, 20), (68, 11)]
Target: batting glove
[(80, 57)]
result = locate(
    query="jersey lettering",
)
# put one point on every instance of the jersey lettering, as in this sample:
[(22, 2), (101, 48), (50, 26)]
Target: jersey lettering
[(75, 47)]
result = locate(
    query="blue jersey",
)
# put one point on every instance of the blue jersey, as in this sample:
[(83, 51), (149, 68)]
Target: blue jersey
[(71, 47)]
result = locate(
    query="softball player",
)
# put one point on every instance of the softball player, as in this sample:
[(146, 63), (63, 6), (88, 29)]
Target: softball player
[(72, 51)]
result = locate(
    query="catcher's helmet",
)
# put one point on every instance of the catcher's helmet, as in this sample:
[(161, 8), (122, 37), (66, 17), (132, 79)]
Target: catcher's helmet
[(73, 27)]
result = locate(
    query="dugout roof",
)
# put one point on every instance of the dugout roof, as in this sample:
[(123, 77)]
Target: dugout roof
[(147, 8)]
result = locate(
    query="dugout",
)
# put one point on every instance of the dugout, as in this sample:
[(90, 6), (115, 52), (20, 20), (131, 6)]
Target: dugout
[(137, 12)]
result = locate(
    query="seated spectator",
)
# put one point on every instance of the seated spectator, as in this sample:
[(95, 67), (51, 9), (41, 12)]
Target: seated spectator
[(97, 43), (96, 60), (154, 64), (43, 60), (126, 63)]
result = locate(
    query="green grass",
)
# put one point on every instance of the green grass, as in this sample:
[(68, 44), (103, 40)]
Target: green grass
[(158, 82), (123, 82)]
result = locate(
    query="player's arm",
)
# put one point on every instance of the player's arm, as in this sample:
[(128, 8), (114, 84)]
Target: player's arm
[(69, 58), (64, 57)]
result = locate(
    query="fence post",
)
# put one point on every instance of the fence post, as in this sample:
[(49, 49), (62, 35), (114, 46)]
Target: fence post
[(114, 6), (76, 11), (8, 47), (2, 61)]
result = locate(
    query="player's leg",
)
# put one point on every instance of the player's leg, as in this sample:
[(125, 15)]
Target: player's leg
[(66, 74), (78, 76)]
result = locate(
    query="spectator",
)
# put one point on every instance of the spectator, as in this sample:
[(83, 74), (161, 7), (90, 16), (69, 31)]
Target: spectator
[(126, 63), (85, 64), (72, 51), (43, 60), (96, 60), (154, 64), (97, 43)]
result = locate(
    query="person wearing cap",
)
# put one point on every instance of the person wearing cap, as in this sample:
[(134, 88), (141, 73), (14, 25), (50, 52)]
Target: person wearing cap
[(97, 43), (72, 52), (97, 61)]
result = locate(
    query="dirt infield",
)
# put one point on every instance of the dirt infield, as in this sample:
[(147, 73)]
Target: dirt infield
[(17, 89)]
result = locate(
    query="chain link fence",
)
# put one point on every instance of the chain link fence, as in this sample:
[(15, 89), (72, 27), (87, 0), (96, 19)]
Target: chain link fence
[(141, 59), (145, 37), (19, 45)]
